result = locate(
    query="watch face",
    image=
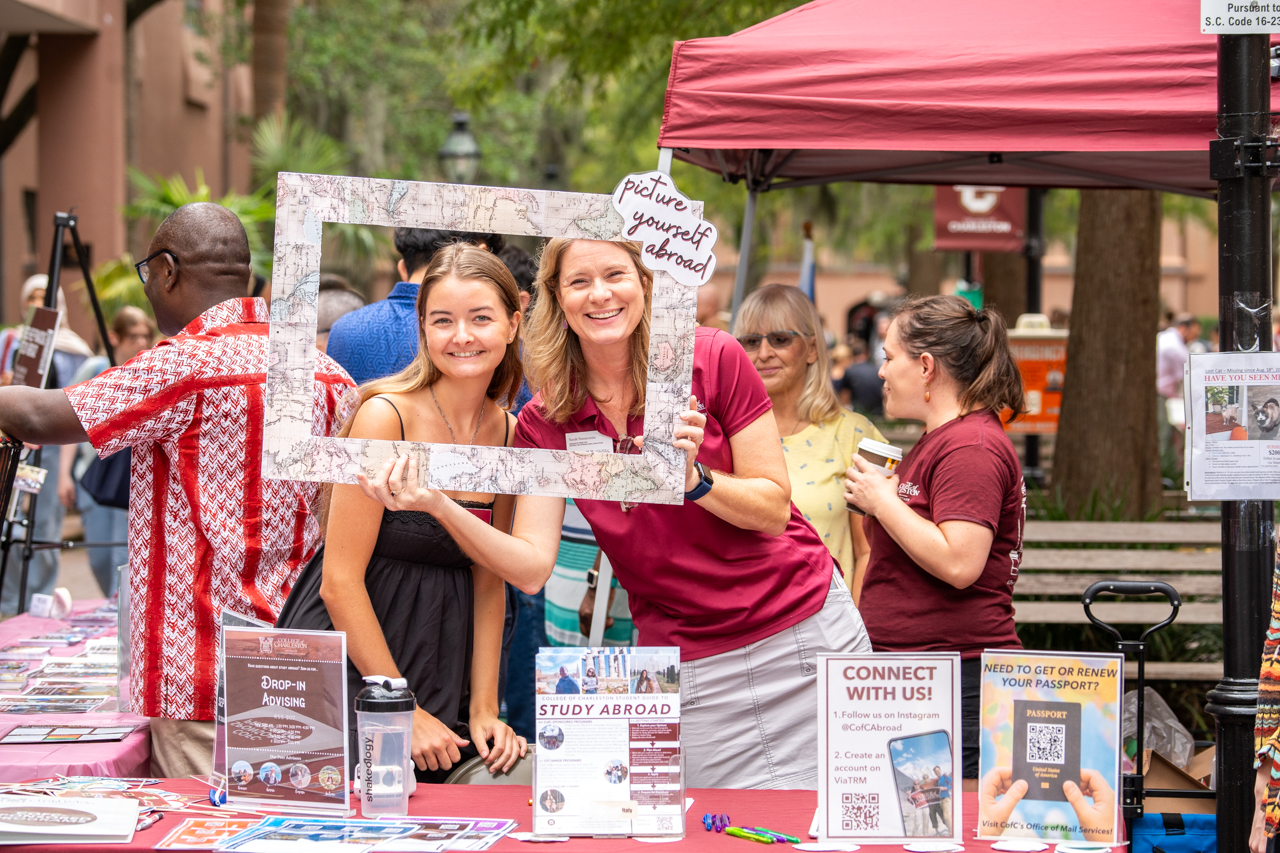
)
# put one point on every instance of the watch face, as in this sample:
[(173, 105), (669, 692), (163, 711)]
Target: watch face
[(704, 473)]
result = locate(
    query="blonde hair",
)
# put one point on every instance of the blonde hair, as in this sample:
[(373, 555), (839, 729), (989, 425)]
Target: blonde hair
[(553, 354), (466, 263), (775, 307)]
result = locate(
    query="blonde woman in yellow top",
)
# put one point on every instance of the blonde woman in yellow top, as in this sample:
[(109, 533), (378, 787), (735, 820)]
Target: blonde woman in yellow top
[(781, 332)]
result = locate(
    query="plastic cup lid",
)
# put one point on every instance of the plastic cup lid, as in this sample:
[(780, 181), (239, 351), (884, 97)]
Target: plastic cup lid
[(880, 448), (383, 695)]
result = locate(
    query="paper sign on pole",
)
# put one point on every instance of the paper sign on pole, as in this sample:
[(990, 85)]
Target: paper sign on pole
[(889, 748), (286, 717), (609, 760), (1237, 18), (1233, 421), (1050, 764)]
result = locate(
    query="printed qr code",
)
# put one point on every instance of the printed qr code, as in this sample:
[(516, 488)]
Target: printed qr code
[(1046, 743), (860, 812), (665, 824)]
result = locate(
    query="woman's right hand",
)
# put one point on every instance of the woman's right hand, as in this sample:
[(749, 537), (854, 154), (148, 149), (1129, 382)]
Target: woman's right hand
[(434, 745), (395, 486)]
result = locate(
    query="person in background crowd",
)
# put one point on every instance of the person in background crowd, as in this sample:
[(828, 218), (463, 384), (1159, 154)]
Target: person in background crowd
[(876, 344), (193, 549), (863, 382), (1172, 352), (777, 326), (412, 603), (69, 352), (335, 300), (734, 575), (33, 290), (946, 531), (709, 311), (131, 332), (382, 339)]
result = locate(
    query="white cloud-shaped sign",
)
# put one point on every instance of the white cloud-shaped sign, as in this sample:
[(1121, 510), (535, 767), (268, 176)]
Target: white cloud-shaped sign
[(661, 217)]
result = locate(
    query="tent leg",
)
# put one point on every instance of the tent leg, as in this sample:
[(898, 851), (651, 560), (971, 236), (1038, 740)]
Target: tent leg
[(744, 253), (664, 160)]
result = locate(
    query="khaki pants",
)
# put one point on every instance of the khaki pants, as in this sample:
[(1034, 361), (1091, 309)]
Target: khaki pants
[(181, 748)]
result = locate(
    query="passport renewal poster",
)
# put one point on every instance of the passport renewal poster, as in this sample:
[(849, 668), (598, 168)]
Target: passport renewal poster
[(1050, 746)]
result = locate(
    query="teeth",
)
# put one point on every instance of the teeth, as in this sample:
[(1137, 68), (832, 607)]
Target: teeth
[(606, 315), (465, 354)]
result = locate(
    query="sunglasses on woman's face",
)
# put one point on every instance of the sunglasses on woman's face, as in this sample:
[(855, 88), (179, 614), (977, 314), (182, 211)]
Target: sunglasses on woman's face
[(777, 340)]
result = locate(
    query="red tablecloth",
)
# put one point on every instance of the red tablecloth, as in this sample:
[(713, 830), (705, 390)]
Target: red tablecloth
[(785, 811), (18, 762)]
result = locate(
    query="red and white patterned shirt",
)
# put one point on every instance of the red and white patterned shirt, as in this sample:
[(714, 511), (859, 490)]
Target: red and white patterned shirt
[(206, 531)]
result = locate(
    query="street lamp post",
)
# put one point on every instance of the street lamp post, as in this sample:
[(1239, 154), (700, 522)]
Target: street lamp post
[(460, 153)]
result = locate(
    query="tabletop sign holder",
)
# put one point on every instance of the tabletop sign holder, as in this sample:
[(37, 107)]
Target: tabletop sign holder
[(218, 778), (889, 755), (609, 761), (285, 708)]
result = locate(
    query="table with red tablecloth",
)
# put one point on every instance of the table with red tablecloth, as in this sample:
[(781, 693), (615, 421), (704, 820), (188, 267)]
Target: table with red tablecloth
[(783, 811), (19, 762)]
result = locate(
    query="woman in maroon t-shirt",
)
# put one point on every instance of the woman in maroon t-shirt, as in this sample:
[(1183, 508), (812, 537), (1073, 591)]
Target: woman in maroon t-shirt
[(734, 575), (946, 532)]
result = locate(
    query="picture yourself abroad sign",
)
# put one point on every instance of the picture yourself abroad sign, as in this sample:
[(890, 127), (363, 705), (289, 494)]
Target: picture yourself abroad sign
[(889, 748)]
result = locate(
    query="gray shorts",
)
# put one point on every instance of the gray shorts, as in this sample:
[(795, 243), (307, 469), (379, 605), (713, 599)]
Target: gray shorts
[(749, 716)]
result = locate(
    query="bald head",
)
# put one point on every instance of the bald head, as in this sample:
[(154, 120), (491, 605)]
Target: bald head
[(206, 236)]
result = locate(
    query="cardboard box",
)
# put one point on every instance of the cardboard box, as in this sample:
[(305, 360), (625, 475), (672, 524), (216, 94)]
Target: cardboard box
[(1159, 773)]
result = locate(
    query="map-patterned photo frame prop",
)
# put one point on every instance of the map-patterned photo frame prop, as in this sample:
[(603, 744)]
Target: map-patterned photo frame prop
[(290, 451)]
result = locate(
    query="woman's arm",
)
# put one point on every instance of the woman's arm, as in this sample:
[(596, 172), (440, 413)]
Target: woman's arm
[(352, 532), (523, 558), (953, 551), (486, 657), (757, 495), (861, 555)]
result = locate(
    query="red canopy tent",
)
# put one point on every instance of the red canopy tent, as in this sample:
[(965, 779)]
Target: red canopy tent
[(1094, 93)]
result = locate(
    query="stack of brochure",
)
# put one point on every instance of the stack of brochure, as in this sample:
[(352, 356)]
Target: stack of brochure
[(44, 820)]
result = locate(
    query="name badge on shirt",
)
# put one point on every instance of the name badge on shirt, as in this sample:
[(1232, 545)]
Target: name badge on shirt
[(589, 441)]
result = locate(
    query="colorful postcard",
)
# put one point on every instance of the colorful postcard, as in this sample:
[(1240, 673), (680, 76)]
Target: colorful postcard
[(204, 833)]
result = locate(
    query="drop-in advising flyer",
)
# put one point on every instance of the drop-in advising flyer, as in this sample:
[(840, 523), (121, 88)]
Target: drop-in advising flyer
[(1050, 746), (608, 759), (889, 747), (1233, 416), (286, 718)]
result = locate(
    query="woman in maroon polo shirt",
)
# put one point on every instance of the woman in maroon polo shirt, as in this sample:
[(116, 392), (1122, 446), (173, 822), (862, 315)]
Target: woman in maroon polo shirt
[(735, 565), (946, 532)]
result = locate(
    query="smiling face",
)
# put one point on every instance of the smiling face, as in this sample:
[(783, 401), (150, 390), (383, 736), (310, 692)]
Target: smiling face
[(783, 369), (465, 329), (601, 293), (903, 379)]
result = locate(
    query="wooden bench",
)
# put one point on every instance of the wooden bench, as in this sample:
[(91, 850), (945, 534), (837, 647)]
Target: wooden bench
[(1078, 553)]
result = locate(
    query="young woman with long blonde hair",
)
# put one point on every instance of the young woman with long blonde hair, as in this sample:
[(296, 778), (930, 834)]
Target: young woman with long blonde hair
[(734, 576), (412, 602)]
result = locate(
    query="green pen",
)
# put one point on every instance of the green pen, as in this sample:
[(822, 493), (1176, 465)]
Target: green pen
[(781, 835), (739, 832)]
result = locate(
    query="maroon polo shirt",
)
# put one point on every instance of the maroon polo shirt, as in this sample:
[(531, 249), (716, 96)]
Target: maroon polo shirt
[(692, 579)]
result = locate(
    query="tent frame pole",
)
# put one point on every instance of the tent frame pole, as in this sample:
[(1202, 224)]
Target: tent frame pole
[(1240, 162), (744, 252)]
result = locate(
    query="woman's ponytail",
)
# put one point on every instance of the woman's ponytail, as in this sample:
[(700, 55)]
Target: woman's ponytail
[(972, 347)]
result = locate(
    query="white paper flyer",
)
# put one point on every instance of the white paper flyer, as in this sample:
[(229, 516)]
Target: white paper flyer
[(608, 760), (889, 747), (1233, 421)]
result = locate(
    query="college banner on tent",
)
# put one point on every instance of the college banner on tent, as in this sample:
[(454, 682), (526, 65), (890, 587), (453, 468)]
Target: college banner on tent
[(979, 219)]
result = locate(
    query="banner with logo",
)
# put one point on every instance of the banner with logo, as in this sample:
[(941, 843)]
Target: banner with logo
[(286, 718), (979, 218)]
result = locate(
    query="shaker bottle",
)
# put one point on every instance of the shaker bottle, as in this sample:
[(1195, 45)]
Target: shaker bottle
[(884, 456), (384, 731)]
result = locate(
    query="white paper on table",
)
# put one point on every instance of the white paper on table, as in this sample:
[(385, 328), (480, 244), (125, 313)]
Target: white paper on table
[(44, 820)]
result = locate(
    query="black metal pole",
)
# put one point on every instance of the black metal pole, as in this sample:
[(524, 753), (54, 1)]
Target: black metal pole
[(1240, 163), (1035, 285)]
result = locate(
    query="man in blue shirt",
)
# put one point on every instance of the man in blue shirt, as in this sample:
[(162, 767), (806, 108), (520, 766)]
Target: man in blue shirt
[(942, 781), (381, 339), (566, 684)]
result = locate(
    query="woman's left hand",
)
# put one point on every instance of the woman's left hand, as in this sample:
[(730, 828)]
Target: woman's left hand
[(867, 488), (689, 437), (507, 745)]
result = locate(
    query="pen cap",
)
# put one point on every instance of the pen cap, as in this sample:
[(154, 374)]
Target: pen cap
[(383, 695)]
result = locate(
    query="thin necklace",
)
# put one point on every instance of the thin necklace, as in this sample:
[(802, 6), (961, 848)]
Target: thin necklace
[(448, 426)]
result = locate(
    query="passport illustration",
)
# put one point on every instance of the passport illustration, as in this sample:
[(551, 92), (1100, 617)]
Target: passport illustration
[(1046, 747)]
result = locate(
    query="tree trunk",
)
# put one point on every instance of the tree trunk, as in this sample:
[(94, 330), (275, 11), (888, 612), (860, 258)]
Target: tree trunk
[(924, 267), (1004, 284), (270, 52), (1107, 449)]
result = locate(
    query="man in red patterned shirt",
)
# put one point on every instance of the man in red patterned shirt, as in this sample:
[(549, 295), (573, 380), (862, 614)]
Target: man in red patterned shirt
[(206, 531)]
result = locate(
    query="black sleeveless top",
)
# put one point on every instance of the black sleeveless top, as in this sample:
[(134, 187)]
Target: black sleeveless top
[(419, 582)]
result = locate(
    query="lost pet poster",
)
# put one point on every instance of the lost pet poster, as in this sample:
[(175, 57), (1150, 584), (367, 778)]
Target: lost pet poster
[(286, 718), (889, 748), (1233, 425), (1050, 765), (609, 760)]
